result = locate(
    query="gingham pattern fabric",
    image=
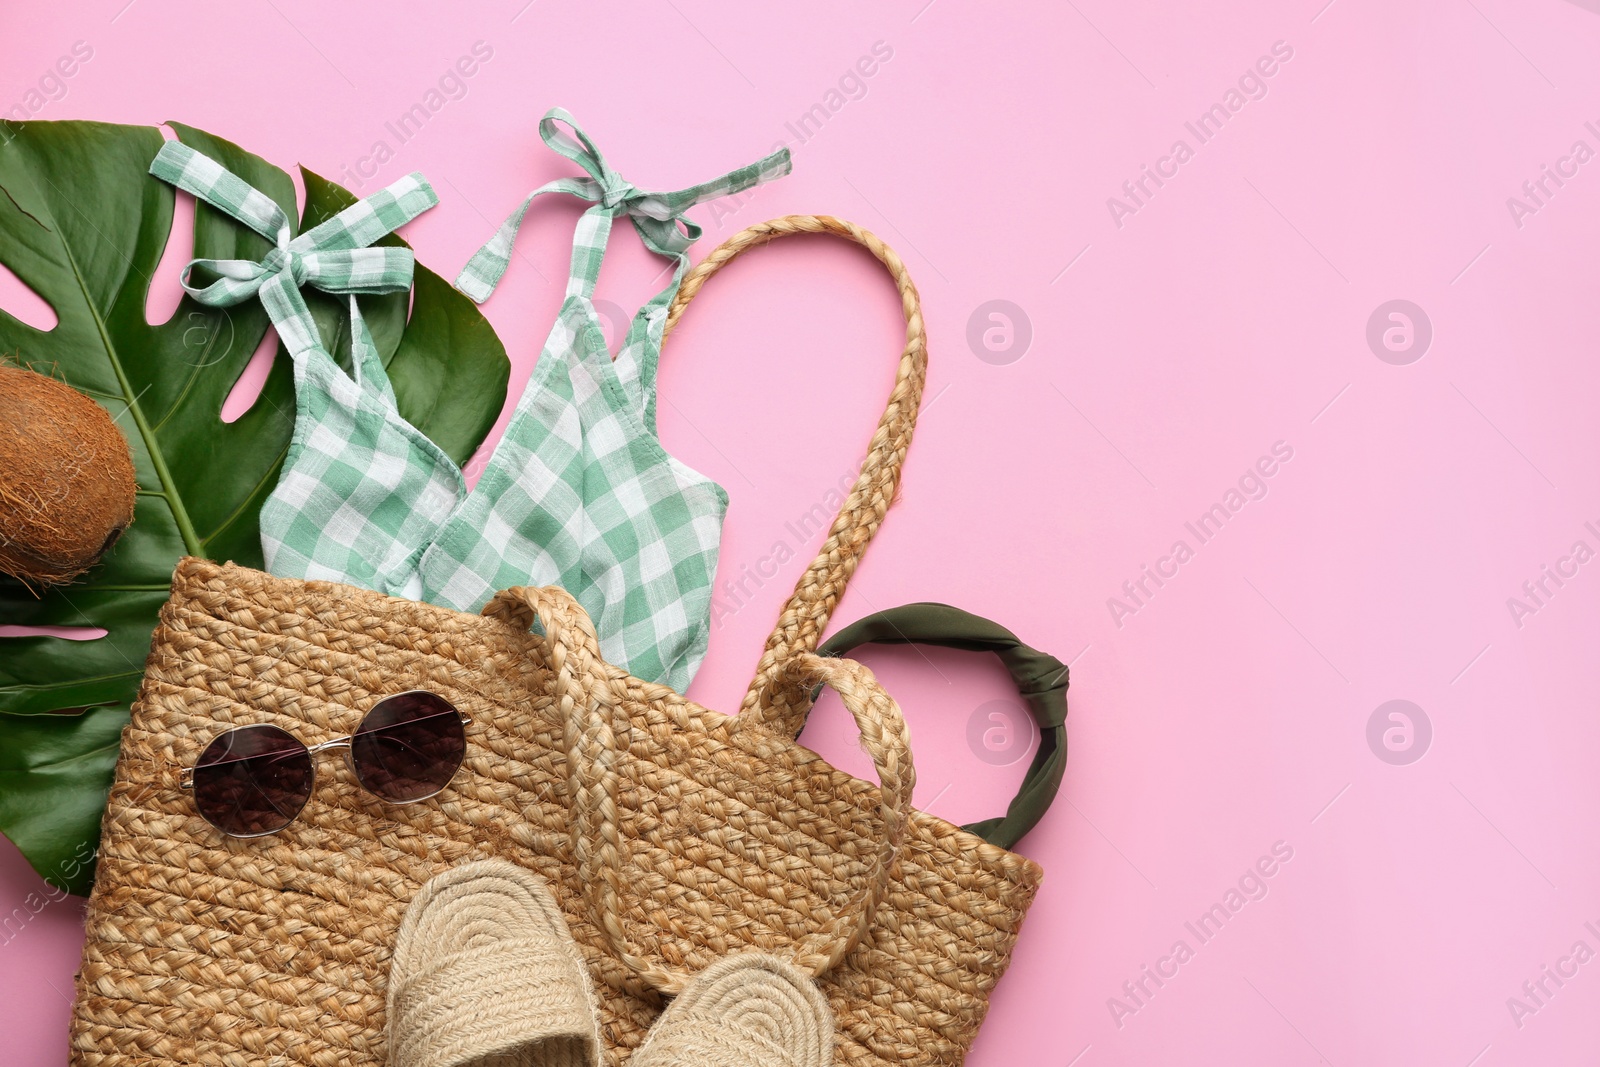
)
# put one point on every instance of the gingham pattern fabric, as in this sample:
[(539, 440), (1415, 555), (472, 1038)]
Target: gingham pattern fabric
[(362, 492), (580, 492), (333, 256)]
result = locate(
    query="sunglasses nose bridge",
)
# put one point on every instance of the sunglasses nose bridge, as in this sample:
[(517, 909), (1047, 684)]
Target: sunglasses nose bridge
[(338, 742)]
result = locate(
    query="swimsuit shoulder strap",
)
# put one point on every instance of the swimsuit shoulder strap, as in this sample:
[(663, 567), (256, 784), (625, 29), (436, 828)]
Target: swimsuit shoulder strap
[(333, 256), (658, 217)]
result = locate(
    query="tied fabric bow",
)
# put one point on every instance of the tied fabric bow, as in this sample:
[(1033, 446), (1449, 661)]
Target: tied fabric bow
[(657, 216), (332, 256)]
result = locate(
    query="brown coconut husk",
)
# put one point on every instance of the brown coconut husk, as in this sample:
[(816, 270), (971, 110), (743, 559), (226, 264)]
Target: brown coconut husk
[(66, 479)]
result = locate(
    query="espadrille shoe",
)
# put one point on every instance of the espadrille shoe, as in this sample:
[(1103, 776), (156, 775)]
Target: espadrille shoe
[(748, 1010), (485, 974)]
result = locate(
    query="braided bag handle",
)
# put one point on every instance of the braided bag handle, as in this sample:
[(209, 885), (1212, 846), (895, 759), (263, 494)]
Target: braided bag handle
[(805, 616), (587, 703)]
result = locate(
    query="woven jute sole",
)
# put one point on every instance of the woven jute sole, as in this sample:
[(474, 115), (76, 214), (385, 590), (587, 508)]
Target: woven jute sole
[(749, 1010), (484, 974)]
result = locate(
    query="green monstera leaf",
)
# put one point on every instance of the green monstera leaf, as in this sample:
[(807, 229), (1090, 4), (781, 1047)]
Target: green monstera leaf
[(84, 226)]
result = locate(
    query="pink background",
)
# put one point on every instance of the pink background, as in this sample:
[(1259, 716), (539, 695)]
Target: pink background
[(1228, 313)]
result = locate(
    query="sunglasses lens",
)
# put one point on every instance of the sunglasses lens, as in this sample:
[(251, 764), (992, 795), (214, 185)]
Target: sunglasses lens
[(252, 781), (408, 747)]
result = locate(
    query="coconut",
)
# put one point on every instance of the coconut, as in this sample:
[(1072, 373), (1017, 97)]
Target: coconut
[(66, 479)]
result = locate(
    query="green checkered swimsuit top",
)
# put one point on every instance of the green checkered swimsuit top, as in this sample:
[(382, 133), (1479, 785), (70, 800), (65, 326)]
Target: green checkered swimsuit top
[(578, 493)]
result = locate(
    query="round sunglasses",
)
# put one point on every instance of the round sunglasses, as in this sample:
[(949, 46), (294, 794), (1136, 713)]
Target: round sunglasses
[(251, 781)]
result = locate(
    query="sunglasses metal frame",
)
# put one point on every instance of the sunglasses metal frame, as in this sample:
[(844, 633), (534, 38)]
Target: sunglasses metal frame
[(186, 780)]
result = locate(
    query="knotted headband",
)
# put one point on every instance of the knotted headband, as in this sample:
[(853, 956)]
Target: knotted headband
[(1040, 678)]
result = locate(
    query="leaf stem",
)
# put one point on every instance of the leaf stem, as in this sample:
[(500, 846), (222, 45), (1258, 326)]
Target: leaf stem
[(180, 514)]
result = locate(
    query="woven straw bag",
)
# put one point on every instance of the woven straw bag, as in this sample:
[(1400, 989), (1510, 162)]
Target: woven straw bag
[(671, 834)]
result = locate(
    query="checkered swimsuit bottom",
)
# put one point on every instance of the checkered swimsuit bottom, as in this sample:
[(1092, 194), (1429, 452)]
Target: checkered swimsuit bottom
[(579, 493)]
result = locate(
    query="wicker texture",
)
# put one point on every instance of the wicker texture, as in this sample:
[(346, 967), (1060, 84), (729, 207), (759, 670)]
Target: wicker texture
[(817, 593), (748, 1010), (484, 973), (671, 835)]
